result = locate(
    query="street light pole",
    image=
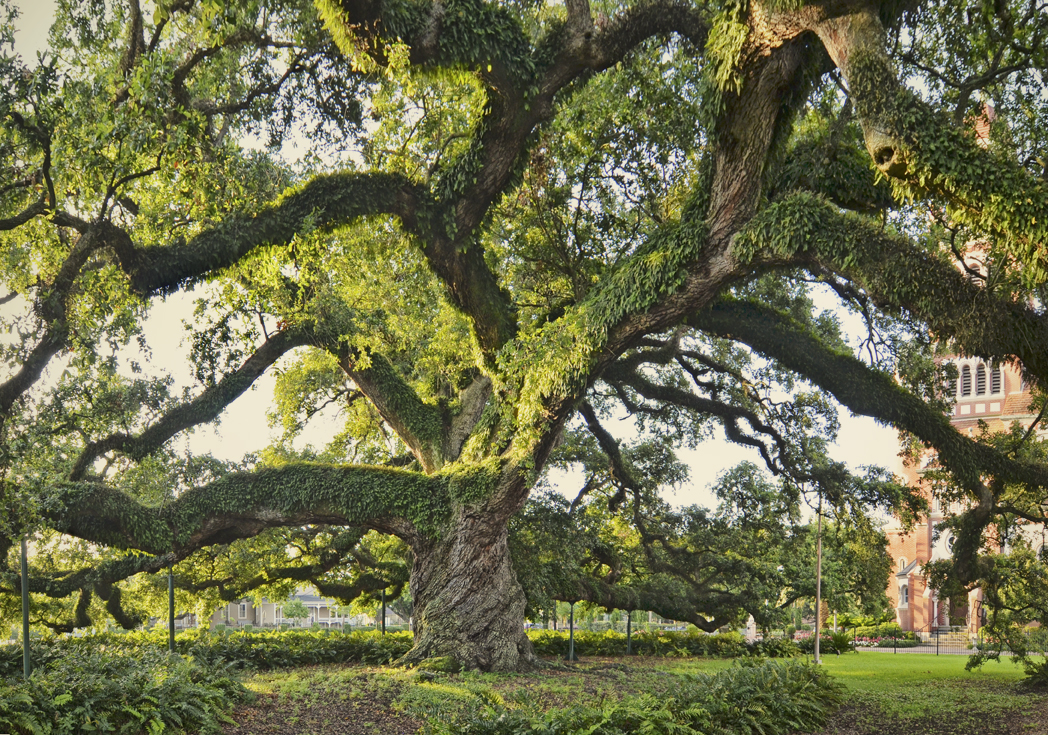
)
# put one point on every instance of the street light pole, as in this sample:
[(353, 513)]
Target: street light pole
[(571, 634), (818, 581), (629, 631), (27, 666), (171, 609)]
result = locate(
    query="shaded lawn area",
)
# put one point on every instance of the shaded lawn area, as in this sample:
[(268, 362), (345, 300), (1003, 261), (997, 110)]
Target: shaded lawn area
[(888, 694), (911, 693)]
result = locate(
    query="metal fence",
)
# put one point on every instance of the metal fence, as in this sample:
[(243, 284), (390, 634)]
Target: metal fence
[(947, 641), (940, 642)]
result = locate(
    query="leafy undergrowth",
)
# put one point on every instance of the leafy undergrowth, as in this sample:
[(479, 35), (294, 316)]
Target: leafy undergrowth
[(93, 690), (243, 649), (596, 696), (661, 643), (885, 694), (279, 649)]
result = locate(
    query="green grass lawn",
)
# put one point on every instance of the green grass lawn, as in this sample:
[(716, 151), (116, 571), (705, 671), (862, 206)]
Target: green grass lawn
[(874, 671), (934, 691)]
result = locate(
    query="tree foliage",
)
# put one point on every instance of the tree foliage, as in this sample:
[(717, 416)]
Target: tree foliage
[(515, 222)]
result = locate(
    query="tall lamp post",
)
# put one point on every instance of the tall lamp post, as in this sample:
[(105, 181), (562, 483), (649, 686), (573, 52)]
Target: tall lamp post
[(818, 581), (171, 608), (27, 666)]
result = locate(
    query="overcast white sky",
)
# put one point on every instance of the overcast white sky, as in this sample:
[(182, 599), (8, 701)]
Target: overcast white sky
[(861, 441)]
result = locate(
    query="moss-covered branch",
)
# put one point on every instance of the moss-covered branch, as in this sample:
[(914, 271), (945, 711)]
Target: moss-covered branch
[(52, 304), (202, 409), (667, 596), (103, 577), (864, 390), (33, 210), (324, 203), (928, 153), (417, 423), (241, 505), (898, 276)]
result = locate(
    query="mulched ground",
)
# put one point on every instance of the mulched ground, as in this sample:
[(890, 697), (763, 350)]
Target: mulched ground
[(326, 713), (364, 712)]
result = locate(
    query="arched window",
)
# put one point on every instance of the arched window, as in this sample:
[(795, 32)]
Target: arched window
[(980, 380), (902, 563), (996, 380), (904, 596), (966, 380)]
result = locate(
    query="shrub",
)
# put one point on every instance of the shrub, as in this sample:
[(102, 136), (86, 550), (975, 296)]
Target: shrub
[(807, 644), (884, 630), (751, 697), (91, 688), (283, 649), (239, 649), (655, 643), (898, 643), (826, 643), (842, 641), (774, 648)]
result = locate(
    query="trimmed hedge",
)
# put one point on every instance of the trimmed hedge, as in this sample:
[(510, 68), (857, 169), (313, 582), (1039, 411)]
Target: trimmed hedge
[(899, 643), (97, 689), (254, 650), (884, 630), (276, 649), (660, 643), (773, 698), (280, 649)]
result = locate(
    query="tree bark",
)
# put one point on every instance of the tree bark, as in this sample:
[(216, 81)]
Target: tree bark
[(468, 602)]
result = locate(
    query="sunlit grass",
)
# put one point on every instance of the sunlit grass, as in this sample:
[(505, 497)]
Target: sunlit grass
[(921, 685), (882, 671)]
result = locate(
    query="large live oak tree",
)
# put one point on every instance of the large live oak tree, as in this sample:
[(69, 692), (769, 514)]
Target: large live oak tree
[(530, 216)]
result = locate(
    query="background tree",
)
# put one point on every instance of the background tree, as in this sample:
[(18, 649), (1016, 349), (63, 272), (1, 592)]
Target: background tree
[(295, 610), (553, 216)]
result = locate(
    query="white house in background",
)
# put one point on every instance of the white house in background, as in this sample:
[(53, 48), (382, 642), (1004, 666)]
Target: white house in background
[(323, 611)]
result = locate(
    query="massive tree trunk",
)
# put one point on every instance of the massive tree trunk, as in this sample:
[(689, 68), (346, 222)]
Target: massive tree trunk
[(467, 600)]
